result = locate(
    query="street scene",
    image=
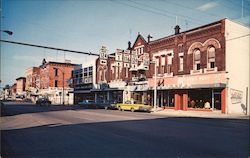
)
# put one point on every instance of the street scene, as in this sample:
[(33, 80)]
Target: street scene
[(30, 131), (125, 78)]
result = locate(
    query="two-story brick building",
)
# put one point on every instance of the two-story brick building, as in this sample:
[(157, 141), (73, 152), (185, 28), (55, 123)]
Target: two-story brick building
[(205, 68)]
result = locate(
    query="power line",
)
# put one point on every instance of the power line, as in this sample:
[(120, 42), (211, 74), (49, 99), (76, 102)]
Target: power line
[(163, 10), (143, 9), (47, 47)]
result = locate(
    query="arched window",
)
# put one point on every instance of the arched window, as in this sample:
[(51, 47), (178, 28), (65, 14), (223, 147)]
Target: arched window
[(197, 58), (211, 57)]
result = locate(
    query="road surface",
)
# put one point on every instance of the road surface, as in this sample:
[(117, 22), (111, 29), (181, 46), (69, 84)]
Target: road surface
[(31, 131)]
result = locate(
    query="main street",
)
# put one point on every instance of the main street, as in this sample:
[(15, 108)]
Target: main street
[(28, 130)]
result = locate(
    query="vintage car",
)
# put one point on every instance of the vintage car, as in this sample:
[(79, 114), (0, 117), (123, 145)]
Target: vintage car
[(105, 105), (43, 101), (133, 107)]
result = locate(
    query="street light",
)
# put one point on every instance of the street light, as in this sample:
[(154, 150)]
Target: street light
[(7, 31), (155, 86), (63, 83)]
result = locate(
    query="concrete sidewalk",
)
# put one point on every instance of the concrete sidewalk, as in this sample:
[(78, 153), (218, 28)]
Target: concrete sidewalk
[(202, 114)]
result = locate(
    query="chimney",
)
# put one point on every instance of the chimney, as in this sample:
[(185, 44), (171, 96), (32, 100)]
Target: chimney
[(129, 45), (177, 29), (149, 38)]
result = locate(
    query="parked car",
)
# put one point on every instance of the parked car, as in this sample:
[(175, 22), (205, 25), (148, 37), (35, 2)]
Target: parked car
[(105, 105), (87, 103), (133, 107), (43, 101)]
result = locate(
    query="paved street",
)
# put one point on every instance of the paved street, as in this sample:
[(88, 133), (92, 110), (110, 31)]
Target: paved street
[(31, 131)]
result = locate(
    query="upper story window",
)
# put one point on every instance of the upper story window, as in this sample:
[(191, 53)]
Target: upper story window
[(169, 59), (56, 72), (211, 57), (197, 58), (180, 63)]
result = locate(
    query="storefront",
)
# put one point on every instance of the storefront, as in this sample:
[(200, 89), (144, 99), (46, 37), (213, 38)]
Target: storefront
[(204, 92)]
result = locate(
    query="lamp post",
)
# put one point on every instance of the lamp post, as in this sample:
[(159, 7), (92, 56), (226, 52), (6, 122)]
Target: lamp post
[(155, 86), (62, 85)]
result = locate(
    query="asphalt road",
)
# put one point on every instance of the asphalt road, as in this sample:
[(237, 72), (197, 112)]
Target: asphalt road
[(32, 131)]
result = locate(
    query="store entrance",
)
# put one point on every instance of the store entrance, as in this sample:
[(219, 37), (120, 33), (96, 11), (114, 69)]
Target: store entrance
[(217, 101)]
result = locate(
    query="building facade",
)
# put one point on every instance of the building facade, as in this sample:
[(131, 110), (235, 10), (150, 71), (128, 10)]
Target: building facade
[(196, 68), (83, 81), (32, 82), (20, 87), (54, 81)]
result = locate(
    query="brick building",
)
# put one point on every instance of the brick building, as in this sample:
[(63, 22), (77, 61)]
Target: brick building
[(195, 72), (20, 87), (197, 69), (54, 76), (32, 81)]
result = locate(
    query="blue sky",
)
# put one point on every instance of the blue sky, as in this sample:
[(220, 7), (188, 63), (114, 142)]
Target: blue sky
[(86, 25)]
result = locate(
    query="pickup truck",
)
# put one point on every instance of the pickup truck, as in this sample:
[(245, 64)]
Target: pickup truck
[(133, 107)]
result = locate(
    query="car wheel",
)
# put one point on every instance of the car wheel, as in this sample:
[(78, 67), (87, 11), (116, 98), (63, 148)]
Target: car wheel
[(132, 109)]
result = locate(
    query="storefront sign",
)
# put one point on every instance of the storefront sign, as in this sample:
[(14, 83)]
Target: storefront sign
[(190, 81), (236, 96)]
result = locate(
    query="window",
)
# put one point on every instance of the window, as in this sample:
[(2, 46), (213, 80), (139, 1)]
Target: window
[(211, 57), (169, 59), (90, 73), (56, 83), (90, 68), (180, 48), (56, 72), (181, 63), (168, 69), (197, 57)]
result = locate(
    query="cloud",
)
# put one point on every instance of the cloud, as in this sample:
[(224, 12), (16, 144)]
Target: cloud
[(207, 6)]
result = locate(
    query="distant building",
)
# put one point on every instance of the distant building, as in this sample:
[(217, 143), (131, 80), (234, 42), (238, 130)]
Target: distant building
[(20, 87), (32, 82), (54, 76), (13, 91)]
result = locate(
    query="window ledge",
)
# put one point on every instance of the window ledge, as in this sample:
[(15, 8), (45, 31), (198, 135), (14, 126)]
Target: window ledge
[(210, 70), (196, 71)]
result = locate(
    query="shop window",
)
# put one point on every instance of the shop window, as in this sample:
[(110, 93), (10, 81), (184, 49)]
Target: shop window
[(211, 57), (197, 57), (200, 99)]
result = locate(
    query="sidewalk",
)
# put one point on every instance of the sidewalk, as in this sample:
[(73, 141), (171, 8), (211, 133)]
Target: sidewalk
[(202, 114)]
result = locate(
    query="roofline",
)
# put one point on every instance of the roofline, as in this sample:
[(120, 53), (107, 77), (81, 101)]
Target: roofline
[(193, 29)]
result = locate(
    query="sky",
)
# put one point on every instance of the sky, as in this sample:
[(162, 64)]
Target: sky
[(86, 25)]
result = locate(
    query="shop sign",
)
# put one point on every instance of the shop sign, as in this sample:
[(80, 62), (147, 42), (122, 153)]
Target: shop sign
[(236, 96), (188, 81)]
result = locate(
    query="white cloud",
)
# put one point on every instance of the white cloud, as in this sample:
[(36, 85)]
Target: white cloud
[(207, 6)]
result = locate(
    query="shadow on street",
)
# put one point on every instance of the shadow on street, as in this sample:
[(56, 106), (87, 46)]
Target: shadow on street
[(161, 137)]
